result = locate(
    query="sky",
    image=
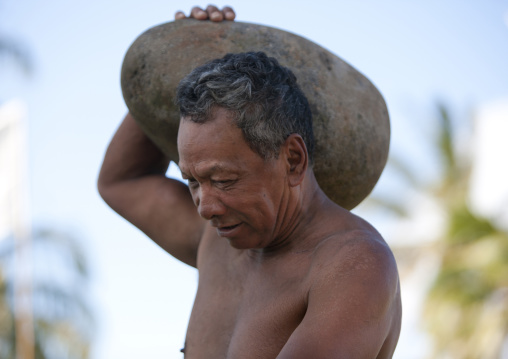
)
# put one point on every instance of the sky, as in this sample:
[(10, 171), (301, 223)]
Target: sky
[(417, 53)]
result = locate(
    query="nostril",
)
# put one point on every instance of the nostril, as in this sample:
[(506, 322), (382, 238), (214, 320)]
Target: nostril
[(205, 209), (209, 208)]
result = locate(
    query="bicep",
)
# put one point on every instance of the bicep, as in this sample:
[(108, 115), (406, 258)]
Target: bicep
[(163, 209), (345, 331)]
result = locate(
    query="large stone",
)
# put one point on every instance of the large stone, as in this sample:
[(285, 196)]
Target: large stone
[(351, 124)]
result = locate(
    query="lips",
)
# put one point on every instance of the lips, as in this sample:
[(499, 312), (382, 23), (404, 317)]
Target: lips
[(228, 231)]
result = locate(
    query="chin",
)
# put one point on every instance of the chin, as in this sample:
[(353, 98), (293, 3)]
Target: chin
[(244, 243), (239, 243)]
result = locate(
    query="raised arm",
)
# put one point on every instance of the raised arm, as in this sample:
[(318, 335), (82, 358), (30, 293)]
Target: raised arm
[(132, 181)]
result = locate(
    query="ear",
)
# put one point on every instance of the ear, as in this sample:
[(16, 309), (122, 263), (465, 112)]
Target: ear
[(297, 159)]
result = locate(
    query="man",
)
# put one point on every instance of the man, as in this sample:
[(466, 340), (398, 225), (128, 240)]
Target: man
[(283, 271)]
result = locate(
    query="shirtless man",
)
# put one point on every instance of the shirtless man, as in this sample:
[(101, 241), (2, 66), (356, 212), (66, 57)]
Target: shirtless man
[(283, 271)]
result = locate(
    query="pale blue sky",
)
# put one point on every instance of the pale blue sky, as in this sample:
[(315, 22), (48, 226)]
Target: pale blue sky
[(415, 52)]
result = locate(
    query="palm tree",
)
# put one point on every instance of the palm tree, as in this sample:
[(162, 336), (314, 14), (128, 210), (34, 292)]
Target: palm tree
[(62, 319), (466, 307)]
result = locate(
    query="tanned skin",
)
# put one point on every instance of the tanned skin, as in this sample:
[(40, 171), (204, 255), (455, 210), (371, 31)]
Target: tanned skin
[(283, 271)]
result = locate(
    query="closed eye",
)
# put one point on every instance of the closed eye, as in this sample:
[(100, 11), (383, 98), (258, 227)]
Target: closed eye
[(193, 183), (224, 183)]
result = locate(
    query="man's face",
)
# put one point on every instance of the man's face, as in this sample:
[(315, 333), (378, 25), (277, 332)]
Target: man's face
[(243, 195)]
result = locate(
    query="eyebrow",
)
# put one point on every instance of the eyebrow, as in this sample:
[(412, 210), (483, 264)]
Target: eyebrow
[(217, 167)]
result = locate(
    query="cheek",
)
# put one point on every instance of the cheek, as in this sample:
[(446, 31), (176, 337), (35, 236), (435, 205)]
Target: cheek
[(263, 207), (259, 199), (255, 207)]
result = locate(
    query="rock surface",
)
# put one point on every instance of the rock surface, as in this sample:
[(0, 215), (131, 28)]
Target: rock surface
[(351, 123)]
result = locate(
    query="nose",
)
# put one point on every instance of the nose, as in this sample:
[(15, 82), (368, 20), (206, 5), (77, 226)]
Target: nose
[(208, 203)]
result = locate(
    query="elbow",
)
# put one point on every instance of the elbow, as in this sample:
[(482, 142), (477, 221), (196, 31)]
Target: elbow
[(112, 190), (109, 194), (101, 188), (104, 187)]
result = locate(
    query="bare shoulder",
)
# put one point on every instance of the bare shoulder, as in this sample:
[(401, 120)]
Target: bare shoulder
[(353, 299), (357, 266), (360, 263), (356, 253)]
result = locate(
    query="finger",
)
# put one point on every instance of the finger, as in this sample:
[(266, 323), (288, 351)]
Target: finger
[(198, 13), (229, 13), (179, 15), (214, 14)]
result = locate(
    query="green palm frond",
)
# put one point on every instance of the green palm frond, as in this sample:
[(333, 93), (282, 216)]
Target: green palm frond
[(474, 267), (403, 171), (445, 143), (466, 308)]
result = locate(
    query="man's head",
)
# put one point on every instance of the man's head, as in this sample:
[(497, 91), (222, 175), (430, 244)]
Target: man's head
[(263, 97), (242, 149)]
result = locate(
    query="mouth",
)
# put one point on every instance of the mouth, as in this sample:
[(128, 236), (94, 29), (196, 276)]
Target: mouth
[(228, 231)]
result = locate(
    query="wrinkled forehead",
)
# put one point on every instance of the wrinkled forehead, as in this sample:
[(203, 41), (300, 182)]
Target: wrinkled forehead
[(217, 143), (218, 137), (215, 114), (216, 130)]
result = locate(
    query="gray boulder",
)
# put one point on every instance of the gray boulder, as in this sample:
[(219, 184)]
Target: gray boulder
[(351, 123)]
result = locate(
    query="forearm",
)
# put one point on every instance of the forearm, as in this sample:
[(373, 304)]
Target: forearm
[(130, 155)]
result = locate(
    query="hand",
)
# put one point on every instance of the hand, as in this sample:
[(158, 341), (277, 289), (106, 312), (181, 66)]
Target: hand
[(211, 13)]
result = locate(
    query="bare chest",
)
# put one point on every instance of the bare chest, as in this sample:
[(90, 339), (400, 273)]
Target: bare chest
[(244, 312)]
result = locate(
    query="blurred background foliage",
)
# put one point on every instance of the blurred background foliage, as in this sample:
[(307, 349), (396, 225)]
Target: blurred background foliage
[(63, 323), (466, 307), (466, 310), (12, 50), (62, 318)]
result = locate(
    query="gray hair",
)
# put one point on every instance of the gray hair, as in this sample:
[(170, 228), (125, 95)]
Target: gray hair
[(266, 101)]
